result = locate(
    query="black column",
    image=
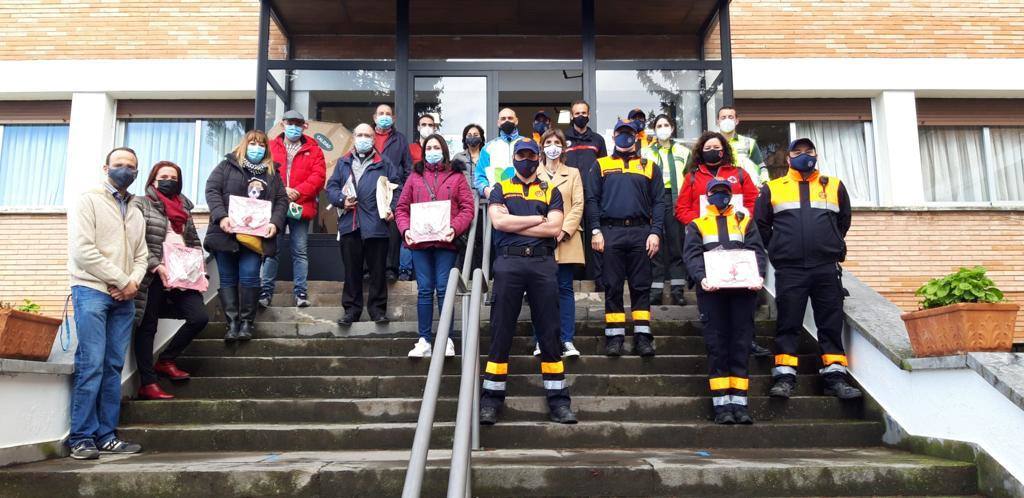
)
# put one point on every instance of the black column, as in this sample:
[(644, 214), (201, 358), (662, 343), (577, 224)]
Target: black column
[(726, 35), (262, 53)]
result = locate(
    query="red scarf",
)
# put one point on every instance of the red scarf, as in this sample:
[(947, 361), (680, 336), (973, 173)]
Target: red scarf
[(175, 209)]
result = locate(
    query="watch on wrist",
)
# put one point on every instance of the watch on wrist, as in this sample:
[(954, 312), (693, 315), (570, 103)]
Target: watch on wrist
[(596, 231)]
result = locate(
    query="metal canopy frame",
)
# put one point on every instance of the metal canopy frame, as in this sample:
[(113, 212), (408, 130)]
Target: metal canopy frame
[(405, 68)]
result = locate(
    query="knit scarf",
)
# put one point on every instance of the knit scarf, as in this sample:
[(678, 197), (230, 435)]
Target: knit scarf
[(255, 169), (175, 209)]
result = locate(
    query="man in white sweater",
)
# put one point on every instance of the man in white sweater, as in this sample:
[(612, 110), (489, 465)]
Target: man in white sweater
[(107, 258)]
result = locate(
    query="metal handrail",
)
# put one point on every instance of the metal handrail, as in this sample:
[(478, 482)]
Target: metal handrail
[(466, 423), (467, 264)]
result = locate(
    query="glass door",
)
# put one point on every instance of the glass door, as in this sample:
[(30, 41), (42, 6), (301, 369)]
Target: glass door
[(453, 100)]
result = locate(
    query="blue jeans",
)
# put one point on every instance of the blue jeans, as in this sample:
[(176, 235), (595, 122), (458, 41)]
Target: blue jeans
[(406, 262), (242, 267), (299, 231), (566, 304), (432, 268), (104, 328)]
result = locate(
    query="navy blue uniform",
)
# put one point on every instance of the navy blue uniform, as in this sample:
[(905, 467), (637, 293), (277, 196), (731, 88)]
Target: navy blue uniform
[(525, 265)]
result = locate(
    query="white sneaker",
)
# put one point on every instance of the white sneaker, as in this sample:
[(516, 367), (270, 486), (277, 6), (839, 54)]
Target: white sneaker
[(536, 350), (569, 349), (449, 350), (422, 349)]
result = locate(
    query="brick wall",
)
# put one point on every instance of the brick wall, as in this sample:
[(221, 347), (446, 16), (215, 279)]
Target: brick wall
[(895, 252), (871, 28)]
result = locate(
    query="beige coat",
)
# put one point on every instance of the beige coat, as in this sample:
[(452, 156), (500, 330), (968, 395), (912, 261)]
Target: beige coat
[(570, 185), (106, 249)]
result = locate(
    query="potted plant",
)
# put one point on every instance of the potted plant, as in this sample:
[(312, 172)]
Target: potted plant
[(961, 312), (24, 333)]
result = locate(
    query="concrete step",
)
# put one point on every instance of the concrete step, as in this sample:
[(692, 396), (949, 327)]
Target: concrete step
[(517, 408), (332, 287), (385, 386), (536, 434), (286, 299), (225, 366), (503, 473), (400, 346)]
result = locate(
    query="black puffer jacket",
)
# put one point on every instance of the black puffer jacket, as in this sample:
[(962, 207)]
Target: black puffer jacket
[(156, 232), (227, 179)]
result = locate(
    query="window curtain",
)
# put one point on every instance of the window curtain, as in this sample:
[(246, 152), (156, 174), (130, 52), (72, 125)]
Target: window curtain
[(843, 153), (952, 164), (1008, 146), (162, 140), (33, 159), (218, 138)]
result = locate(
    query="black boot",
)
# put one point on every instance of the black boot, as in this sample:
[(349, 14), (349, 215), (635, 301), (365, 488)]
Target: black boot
[(836, 385), (677, 295), (247, 298), (724, 416), (759, 352), (741, 415), (783, 387), (657, 296), (613, 345), (643, 344), (229, 302)]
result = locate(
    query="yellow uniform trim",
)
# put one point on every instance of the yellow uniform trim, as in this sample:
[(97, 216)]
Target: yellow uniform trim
[(536, 191), (496, 368), (719, 383), (829, 359), (707, 225), (552, 368), (739, 383), (785, 192), (642, 315), (786, 360), (609, 165), (615, 317)]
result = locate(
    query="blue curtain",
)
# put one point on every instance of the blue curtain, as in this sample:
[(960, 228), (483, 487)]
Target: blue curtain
[(163, 140), (33, 159), (218, 138)]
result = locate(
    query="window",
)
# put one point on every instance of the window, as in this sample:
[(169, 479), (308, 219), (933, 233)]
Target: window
[(972, 164), (33, 159), (1008, 162), (673, 92), (196, 145)]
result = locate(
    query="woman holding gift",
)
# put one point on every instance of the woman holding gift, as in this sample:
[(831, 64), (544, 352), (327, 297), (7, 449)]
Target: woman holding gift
[(168, 215), (728, 314), (248, 171), (433, 179)]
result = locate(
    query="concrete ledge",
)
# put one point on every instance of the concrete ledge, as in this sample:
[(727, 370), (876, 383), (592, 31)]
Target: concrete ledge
[(878, 319), (36, 452), (936, 362), (1005, 371), (9, 366)]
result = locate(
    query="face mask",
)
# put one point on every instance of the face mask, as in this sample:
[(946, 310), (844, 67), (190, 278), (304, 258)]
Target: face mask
[(254, 153), (474, 141), (625, 140), (803, 163), (426, 131), (727, 125), (540, 127), (580, 121), (525, 167), (433, 156), (385, 121), (169, 188), (720, 200), (122, 177), (663, 133), (712, 156), (293, 132), (364, 144), (638, 124), (553, 151), (508, 127)]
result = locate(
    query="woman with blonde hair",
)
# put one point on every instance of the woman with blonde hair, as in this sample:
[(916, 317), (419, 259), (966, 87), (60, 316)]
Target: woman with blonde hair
[(248, 171)]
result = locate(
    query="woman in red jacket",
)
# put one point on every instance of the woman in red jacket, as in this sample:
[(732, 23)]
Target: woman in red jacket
[(713, 158), (433, 179)]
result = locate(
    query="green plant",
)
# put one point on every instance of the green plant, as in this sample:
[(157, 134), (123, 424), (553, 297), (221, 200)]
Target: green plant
[(968, 285), (28, 307)]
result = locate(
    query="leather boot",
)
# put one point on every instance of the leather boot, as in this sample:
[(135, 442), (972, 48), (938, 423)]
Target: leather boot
[(153, 391), (229, 301), (170, 370), (248, 297)]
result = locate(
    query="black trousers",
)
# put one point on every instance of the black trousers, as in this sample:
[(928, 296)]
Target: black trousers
[(591, 259), (167, 303), (823, 285), (394, 247), (625, 260), (728, 319), (355, 252), (668, 263), (537, 278)]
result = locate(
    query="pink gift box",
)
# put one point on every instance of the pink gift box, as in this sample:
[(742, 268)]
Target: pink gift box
[(250, 216), (186, 267)]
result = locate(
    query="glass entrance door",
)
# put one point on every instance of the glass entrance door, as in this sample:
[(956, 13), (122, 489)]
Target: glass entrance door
[(453, 101)]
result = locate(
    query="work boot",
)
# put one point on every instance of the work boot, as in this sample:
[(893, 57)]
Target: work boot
[(563, 415), (783, 387), (657, 297), (724, 416), (759, 352), (488, 415), (741, 415), (678, 296), (643, 344), (229, 302), (836, 385), (247, 297), (613, 345)]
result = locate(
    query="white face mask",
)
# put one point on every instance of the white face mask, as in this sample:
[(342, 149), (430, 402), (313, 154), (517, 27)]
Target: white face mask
[(426, 131), (727, 125), (663, 133), (553, 151)]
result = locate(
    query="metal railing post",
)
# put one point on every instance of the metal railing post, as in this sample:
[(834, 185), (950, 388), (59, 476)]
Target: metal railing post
[(458, 478)]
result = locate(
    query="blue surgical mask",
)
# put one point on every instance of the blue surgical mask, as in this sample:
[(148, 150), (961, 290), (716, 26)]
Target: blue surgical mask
[(293, 132), (433, 156), (385, 121), (254, 153), (720, 200), (122, 177), (540, 127), (625, 140), (364, 144), (803, 163)]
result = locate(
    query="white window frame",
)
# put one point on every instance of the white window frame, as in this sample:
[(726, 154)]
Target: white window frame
[(29, 208), (869, 144), (988, 154)]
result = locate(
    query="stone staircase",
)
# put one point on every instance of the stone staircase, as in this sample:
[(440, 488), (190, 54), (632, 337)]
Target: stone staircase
[(308, 409)]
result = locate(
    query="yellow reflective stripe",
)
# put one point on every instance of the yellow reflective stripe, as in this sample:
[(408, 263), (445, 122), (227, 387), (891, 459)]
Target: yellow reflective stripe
[(556, 367), (829, 359), (739, 383), (496, 368), (787, 360), (719, 383), (615, 317), (642, 315)]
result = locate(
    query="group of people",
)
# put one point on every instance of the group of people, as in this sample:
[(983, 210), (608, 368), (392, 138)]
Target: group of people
[(561, 206)]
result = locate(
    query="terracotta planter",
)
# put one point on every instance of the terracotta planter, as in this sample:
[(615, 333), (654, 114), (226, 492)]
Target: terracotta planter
[(26, 336), (963, 327)]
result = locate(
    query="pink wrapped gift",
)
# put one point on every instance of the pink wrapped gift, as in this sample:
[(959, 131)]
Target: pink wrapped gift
[(186, 267), (731, 269), (429, 221), (250, 216)]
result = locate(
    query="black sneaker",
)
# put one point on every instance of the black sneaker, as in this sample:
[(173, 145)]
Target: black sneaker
[(563, 415), (783, 388), (488, 415), (724, 417), (346, 320), (613, 345), (643, 345), (116, 445), (678, 296), (302, 300), (265, 299), (406, 276), (741, 415), (841, 389), (381, 320), (657, 297), (391, 276), (759, 352), (85, 450)]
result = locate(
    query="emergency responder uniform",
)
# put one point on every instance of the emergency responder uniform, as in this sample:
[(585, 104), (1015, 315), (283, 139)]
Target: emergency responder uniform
[(525, 264), (748, 156), (626, 199), (668, 263), (727, 314), (803, 218)]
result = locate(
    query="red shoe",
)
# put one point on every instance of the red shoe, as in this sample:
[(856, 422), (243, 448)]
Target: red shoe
[(153, 391), (170, 370)]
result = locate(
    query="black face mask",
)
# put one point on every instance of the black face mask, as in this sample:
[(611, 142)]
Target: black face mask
[(580, 121), (712, 157), (169, 188), (474, 141), (525, 167), (508, 127)]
